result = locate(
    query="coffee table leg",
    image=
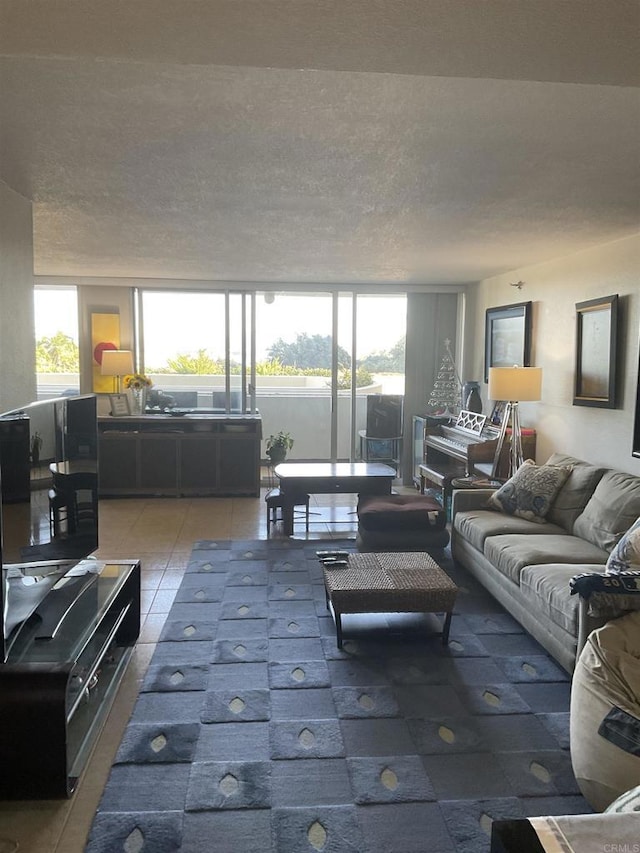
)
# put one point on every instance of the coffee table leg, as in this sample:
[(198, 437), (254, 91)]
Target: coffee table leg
[(445, 629), (287, 518), (338, 619)]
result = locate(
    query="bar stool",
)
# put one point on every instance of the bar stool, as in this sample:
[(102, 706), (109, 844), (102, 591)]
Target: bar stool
[(275, 500)]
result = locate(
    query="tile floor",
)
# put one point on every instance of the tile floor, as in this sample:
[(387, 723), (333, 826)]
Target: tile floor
[(160, 532)]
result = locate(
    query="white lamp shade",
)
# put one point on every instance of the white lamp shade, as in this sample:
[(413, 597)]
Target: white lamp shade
[(515, 383), (116, 362)]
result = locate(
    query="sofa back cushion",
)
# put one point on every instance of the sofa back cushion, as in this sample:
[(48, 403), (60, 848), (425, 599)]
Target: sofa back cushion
[(611, 510), (575, 492)]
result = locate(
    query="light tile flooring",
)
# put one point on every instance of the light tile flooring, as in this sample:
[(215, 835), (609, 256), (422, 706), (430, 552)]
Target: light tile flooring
[(160, 532)]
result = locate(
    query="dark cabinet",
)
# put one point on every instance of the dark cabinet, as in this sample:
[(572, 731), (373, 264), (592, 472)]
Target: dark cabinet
[(199, 461), (186, 455), (158, 462), (237, 461), (117, 463), (14, 459), (61, 677)]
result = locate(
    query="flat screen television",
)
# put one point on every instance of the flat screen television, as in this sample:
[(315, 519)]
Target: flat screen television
[(48, 508), (384, 415)]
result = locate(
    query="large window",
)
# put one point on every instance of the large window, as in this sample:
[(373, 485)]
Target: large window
[(294, 359), (57, 353), (290, 355), (185, 346)]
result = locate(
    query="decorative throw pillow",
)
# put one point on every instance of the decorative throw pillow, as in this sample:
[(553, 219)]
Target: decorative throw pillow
[(530, 492), (627, 802), (625, 556)]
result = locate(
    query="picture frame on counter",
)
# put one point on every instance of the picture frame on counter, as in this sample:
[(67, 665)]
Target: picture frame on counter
[(120, 406)]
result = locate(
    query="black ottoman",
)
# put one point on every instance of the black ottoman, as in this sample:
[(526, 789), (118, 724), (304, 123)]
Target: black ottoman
[(401, 523)]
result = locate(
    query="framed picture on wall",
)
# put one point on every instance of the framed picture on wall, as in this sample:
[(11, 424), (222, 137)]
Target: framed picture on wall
[(635, 450), (507, 337), (105, 334), (596, 346)]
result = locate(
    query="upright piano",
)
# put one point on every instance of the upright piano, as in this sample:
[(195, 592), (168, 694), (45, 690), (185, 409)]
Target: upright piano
[(466, 449)]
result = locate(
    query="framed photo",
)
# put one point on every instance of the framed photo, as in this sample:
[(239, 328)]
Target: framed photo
[(596, 345), (119, 405), (497, 413), (507, 337)]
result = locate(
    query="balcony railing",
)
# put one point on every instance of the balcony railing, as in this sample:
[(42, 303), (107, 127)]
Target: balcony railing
[(299, 405)]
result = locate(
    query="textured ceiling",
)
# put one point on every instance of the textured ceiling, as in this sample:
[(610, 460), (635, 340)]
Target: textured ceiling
[(309, 141)]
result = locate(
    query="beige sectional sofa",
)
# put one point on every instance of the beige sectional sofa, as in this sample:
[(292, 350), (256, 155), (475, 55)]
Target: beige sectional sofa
[(527, 566)]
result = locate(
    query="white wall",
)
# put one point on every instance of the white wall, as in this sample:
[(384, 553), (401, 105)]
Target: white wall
[(17, 335), (598, 435)]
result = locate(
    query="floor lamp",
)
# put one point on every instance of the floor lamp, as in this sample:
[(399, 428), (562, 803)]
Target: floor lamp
[(117, 362), (513, 385)]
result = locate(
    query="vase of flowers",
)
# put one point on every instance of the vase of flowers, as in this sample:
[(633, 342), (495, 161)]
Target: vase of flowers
[(137, 384)]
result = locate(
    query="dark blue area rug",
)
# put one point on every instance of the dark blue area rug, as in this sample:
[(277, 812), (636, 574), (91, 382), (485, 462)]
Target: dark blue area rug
[(254, 732)]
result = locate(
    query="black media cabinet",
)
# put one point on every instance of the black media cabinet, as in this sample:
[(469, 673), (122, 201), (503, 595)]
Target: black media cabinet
[(184, 455), (56, 691)]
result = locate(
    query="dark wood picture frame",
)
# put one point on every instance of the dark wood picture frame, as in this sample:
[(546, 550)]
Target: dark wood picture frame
[(596, 348), (507, 337), (635, 449)]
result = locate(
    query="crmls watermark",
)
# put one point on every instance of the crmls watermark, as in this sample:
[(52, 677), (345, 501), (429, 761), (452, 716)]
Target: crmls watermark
[(621, 848)]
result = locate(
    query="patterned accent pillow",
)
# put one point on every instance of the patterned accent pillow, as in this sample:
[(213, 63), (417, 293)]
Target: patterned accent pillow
[(531, 491), (625, 556), (627, 802)]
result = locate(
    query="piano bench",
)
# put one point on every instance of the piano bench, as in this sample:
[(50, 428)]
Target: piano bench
[(401, 523)]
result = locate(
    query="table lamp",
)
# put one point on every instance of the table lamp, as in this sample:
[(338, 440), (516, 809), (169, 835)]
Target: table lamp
[(513, 385), (117, 362)]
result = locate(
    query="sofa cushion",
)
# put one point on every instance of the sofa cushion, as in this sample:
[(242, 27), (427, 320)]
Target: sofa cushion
[(531, 491), (611, 510), (476, 525), (625, 556), (511, 553), (575, 492), (546, 589)]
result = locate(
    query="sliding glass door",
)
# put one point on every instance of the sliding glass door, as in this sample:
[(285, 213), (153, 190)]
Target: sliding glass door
[(305, 360), (293, 369), (194, 346)]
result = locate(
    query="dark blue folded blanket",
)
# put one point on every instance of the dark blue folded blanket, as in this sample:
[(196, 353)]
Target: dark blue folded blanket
[(621, 583)]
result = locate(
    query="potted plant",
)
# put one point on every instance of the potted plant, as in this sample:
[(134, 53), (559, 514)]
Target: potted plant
[(277, 447)]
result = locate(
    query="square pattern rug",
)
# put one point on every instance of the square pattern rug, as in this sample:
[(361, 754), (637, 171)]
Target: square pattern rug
[(254, 732)]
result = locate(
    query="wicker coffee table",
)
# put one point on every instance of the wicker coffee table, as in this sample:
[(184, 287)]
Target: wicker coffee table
[(390, 582)]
